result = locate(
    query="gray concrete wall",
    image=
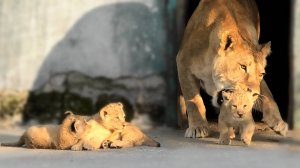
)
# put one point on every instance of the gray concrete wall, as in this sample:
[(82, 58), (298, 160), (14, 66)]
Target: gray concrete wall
[(296, 64), (43, 43), (111, 38)]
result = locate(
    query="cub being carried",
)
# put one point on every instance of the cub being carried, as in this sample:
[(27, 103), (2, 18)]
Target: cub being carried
[(219, 50)]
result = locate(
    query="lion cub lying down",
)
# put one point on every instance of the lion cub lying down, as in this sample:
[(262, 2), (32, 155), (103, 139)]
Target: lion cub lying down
[(62, 136), (101, 126), (128, 136), (236, 112)]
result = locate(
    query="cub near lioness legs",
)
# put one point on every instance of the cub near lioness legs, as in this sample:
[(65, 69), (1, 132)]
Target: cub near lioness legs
[(220, 48), (236, 112)]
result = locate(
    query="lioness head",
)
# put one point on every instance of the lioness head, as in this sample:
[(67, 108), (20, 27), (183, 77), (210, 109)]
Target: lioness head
[(240, 60), (238, 102), (113, 116)]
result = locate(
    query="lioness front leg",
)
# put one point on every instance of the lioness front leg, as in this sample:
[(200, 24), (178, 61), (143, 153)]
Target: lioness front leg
[(271, 114), (198, 126)]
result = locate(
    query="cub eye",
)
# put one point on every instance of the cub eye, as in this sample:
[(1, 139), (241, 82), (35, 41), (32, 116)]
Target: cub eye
[(243, 67), (262, 75), (234, 106)]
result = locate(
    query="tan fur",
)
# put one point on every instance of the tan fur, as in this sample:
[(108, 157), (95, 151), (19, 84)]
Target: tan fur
[(220, 49), (130, 136), (112, 117), (52, 136), (236, 112), (109, 119)]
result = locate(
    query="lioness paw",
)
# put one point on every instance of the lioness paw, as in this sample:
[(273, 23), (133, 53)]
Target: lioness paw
[(246, 141), (197, 132), (281, 128)]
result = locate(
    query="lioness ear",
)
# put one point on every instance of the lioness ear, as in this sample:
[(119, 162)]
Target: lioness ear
[(266, 49), (226, 41)]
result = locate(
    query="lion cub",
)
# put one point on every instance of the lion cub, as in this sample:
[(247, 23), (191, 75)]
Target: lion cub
[(236, 112), (128, 136), (101, 127), (53, 136)]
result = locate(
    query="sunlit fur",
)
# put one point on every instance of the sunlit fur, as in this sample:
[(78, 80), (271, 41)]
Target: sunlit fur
[(236, 112)]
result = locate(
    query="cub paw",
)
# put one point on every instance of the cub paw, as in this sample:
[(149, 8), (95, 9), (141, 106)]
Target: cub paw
[(197, 132), (281, 128), (89, 147), (224, 141), (114, 145), (76, 148), (106, 144)]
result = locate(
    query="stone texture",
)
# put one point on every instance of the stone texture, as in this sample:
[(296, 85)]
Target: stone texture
[(86, 95)]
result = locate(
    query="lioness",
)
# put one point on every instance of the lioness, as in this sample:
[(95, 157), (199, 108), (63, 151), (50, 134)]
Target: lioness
[(220, 49), (53, 136), (236, 112)]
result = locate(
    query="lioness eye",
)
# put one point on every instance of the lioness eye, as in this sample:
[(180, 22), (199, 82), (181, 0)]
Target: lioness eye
[(255, 94), (262, 74), (244, 67)]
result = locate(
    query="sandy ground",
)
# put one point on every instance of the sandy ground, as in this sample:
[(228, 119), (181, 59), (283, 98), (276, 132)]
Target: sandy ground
[(267, 150)]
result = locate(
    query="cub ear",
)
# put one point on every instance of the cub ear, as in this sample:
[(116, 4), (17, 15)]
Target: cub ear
[(120, 104), (103, 115), (266, 49), (67, 113), (226, 41), (226, 94), (79, 126)]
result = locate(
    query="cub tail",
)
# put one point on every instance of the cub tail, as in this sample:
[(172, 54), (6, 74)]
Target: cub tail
[(20, 143), (150, 142)]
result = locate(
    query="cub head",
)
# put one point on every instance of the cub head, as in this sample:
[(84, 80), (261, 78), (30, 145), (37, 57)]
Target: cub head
[(75, 124), (112, 116), (240, 60), (238, 102)]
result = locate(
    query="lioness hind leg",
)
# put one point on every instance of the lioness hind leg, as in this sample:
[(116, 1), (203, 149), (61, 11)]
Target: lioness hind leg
[(271, 114), (181, 112)]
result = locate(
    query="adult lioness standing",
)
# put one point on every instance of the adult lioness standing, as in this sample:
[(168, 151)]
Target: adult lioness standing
[(220, 49)]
